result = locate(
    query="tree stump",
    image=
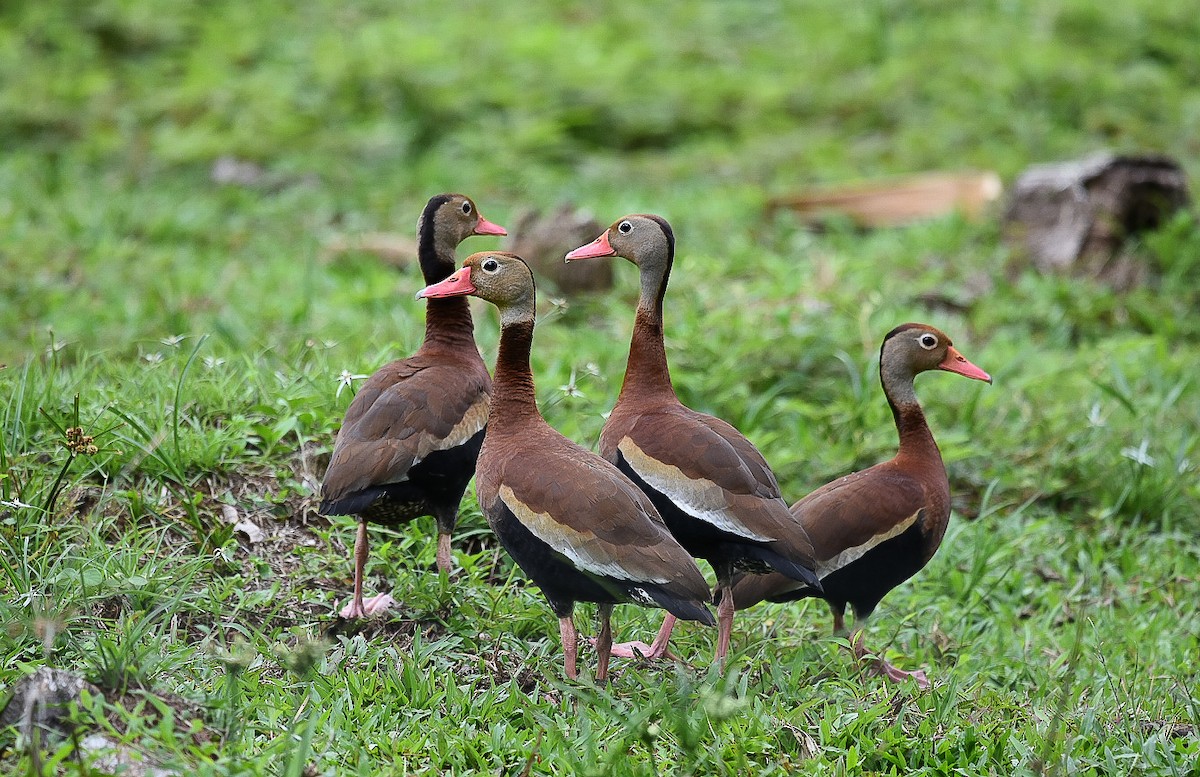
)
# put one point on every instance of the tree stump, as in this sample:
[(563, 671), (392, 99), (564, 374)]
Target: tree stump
[(1075, 217)]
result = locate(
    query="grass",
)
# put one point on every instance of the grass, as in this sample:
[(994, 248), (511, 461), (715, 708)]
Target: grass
[(195, 332)]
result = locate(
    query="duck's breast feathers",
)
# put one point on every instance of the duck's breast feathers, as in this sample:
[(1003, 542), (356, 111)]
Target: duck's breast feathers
[(404, 412), (587, 511), (851, 515)]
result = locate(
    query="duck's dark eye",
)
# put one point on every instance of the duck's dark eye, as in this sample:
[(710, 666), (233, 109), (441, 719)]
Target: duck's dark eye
[(466, 208), (624, 227), (928, 342), (490, 265)]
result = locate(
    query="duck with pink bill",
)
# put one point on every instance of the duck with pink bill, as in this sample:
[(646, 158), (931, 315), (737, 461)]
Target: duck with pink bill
[(579, 528), (713, 488), (876, 528), (408, 443)]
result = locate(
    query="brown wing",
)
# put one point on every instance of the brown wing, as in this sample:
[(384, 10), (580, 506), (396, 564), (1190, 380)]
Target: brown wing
[(704, 448), (404, 412), (850, 515), (762, 479), (585, 509), (709, 470)]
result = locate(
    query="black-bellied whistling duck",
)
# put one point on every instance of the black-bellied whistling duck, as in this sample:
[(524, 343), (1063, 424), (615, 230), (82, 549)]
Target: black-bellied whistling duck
[(581, 530), (876, 528), (408, 444), (714, 489)]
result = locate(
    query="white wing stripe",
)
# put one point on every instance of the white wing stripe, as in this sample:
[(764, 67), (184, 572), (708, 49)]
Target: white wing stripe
[(701, 499), (850, 555), (472, 421), (569, 542)]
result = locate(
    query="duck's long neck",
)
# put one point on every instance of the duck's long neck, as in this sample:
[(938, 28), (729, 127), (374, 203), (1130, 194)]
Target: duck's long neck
[(448, 321), (646, 371), (916, 440), (513, 397)]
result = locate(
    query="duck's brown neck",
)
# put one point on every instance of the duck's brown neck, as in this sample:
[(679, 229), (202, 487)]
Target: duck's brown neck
[(916, 440), (448, 324), (646, 371), (513, 398), (448, 321)]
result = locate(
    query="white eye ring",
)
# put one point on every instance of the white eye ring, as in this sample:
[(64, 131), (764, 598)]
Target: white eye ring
[(490, 265), (624, 227), (466, 207), (928, 341)]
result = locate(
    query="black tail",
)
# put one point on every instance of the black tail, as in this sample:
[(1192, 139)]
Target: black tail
[(352, 504), (784, 566), (684, 609)]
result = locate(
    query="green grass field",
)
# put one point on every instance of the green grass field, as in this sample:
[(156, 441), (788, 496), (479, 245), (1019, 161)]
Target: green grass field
[(194, 330)]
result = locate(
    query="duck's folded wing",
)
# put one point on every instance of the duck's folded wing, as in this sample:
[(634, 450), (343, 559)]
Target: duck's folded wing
[(406, 411), (709, 470), (587, 511)]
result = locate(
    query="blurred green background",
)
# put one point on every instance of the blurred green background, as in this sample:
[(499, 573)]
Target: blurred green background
[(113, 112)]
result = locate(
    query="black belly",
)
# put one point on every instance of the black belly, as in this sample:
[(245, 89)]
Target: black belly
[(863, 583), (435, 486)]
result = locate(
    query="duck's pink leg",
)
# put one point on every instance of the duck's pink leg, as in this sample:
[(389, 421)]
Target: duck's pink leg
[(443, 552), (570, 641), (725, 610), (657, 650), (376, 604), (604, 643), (879, 666), (355, 609)]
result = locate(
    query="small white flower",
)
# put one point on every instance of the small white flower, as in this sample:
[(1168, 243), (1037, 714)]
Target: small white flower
[(346, 380), (153, 358), (212, 362), (30, 598), (571, 389), (1139, 455), (173, 341), (1095, 419)]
